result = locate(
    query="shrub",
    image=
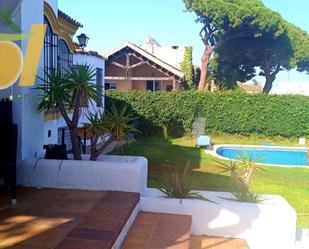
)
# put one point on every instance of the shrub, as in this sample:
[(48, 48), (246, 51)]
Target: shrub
[(229, 112)]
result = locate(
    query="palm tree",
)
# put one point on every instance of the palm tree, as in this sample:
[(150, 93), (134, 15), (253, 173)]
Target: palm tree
[(116, 123), (66, 93)]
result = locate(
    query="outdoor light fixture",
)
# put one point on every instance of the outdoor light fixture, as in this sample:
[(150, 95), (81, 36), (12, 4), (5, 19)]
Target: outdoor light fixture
[(82, 40)]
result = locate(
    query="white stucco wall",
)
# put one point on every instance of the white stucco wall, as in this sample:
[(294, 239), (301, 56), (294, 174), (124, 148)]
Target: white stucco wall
[(30, 123), (118, 173), (264, 226)]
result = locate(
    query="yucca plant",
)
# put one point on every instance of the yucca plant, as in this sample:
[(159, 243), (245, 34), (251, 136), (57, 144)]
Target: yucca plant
[(116, 123), (241, 170), (246, 197), (180, 186), (65, 93)]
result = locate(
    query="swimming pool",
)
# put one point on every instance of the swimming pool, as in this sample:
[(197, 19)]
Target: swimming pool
[(281, 156)]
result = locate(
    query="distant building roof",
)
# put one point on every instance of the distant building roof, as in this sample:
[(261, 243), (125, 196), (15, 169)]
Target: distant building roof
[(146, 54), (172, 54), (251, 88)]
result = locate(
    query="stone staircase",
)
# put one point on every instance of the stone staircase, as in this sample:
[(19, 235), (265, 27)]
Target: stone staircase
[(168, 231), (105, 225)]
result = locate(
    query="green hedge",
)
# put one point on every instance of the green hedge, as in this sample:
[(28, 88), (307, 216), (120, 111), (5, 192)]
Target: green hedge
[(229, 112)]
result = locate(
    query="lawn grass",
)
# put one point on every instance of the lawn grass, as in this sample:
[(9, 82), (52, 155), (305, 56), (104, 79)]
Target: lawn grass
[(163, 156)]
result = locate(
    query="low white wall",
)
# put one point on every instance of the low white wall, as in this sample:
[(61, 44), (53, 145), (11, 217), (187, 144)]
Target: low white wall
[(118, 173), (269, 225), (264, 226)]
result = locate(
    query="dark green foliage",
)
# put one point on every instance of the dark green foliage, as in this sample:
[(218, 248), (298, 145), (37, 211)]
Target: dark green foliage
[(247, 35), (231, 112), (226, 71), (118, 122), (187, 68), (68, 91)]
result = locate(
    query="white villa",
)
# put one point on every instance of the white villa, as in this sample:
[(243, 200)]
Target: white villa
[(107, 204), (59, 51)]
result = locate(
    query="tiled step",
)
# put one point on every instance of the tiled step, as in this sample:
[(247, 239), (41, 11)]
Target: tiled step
[(100, 228), (159, 231), (204, 242)]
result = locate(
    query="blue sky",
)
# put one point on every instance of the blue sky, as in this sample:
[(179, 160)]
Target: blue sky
[(110, 22)]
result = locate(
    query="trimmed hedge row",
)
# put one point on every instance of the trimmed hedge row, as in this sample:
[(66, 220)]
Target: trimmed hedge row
[(229, 112)]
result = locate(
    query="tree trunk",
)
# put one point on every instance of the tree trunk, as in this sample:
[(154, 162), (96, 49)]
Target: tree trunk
[(270, 76), (208, 51), (269, 83), (93, 147), (75, 144), (96, 152)]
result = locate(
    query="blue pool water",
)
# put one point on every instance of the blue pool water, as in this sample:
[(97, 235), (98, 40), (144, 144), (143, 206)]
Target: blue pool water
[(269, 156)]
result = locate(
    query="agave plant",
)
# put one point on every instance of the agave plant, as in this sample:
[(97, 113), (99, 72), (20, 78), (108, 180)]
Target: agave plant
[(116, 123), (180, 187), (65, 93)]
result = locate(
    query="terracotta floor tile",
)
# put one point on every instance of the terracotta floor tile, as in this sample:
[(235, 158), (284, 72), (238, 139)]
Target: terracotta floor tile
[(146, 219), (47, 239), (73, 206), (91, 234), (168, 244), (229, 243), (12, 222), (46, 218), (81, 244), (94, 223), (141, 232), (201, 242), (172, 231), (83, 195), (127, 246), (152, 231), (121, 197), (27, 205), (135, 242), (175, 219), (34, 236), (108, 214), (22, 247), (56, 222), (13, 212)]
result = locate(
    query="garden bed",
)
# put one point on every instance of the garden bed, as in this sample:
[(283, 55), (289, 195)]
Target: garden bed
[(268, 225)]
